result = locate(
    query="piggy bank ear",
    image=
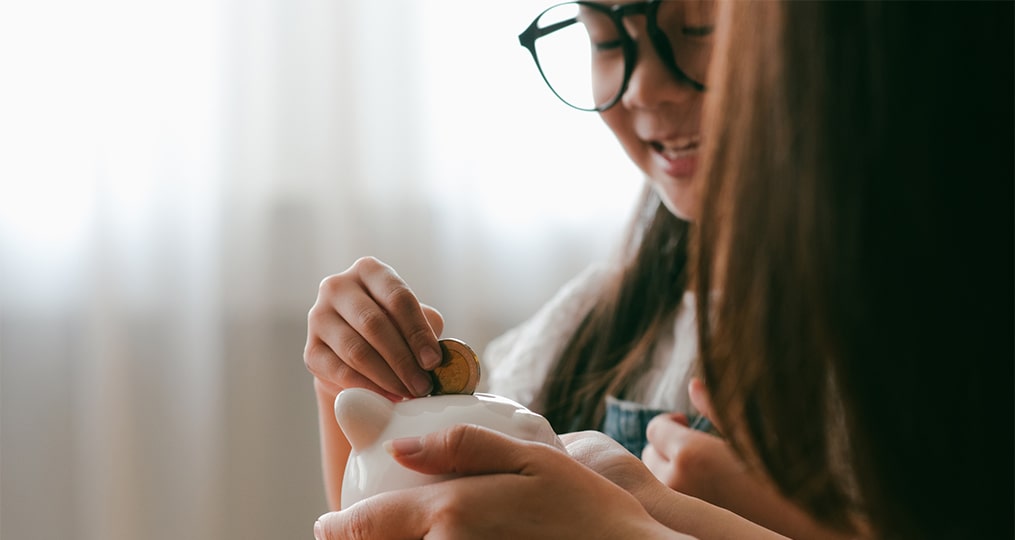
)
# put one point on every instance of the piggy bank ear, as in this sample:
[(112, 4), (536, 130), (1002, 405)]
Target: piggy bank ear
[(362, 415)]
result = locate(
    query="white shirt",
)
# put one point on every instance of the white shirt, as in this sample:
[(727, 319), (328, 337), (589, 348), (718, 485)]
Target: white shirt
[(515, 364)]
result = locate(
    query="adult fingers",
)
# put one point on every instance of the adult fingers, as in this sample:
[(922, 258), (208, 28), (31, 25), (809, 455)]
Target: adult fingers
[(371, 518), (556, 496), (467, 449), (609, 459), (592, 448), (460, 450)]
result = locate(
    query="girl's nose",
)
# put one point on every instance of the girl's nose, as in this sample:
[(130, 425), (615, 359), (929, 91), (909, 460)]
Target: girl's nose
[(651, 83)]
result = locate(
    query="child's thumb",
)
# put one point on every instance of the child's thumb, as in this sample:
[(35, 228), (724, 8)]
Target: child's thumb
[(700, 399)]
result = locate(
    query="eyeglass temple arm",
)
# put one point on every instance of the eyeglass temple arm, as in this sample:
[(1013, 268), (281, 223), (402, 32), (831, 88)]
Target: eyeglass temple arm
[(529, 36)]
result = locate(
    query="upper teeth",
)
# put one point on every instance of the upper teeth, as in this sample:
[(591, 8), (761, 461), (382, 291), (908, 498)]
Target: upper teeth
[(674, 148)]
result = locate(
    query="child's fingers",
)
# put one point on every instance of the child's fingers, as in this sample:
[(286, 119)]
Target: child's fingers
[(406, 313), (666, 435), (435, 319)]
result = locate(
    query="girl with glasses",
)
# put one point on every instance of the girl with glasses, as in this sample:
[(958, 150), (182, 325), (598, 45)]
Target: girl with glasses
[(856, 217), (616, 347)]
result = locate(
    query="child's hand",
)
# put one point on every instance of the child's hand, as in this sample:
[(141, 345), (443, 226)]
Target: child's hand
[(688, 460), (675, 510), (701, 400), (705, 466), (368, 330)]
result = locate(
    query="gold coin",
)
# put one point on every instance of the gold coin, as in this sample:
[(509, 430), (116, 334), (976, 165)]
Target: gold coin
[(459, 370)]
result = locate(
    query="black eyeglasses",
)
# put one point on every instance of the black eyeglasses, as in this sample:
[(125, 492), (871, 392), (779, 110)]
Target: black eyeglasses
[(586, 55)]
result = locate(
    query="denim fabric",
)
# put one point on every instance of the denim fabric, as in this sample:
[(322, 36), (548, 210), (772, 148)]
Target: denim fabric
[(626, 422)]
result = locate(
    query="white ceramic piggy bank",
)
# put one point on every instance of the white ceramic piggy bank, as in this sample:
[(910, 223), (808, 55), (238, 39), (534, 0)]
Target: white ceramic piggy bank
[(368, 420)]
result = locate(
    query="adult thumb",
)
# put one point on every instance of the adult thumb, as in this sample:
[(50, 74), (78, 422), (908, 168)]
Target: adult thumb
[(467, 449)]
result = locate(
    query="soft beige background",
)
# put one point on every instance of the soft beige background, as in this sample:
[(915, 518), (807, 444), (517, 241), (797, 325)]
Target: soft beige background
[(176, 177)]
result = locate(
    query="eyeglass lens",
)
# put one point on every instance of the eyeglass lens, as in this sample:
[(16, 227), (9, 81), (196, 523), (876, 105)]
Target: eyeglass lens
[(584, 58)]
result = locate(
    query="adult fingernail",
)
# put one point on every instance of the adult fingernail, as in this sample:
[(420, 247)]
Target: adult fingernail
[(422, 384), (404, 446), (429, 358), (318, 534)]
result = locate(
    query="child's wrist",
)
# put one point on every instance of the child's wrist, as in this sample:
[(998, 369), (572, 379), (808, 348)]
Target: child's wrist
[(326, 390)]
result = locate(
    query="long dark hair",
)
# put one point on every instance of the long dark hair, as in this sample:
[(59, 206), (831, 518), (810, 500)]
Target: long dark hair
[(612, 344), (854, 259)]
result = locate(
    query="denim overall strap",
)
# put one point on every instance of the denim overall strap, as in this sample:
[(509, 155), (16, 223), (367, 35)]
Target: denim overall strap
[(626, 422)]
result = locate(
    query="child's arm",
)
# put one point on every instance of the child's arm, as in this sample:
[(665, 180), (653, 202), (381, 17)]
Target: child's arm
[(334, 446), (366, 330)]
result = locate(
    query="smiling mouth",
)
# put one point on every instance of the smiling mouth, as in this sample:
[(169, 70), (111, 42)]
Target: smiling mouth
[(678, 148), (678, 157)]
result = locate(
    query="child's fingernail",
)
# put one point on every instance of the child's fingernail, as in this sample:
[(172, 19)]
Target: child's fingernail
[(318, 534), (429, 358), (697, 390), (422, 384), (404, 446)]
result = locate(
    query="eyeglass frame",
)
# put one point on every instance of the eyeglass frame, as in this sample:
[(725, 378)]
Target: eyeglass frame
[(660, 42)]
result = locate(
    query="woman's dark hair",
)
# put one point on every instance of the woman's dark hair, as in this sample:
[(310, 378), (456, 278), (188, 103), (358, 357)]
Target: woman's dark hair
[(611, 346), (854, 259)]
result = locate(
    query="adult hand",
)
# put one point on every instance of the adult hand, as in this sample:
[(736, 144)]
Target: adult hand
[(367, 329), (675, 510), (609, 459), (510, 489)]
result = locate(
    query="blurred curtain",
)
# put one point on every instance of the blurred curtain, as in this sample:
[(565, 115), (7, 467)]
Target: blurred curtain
[(175, 180)]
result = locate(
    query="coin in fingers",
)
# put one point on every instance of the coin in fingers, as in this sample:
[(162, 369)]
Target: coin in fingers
[(459, 369)]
